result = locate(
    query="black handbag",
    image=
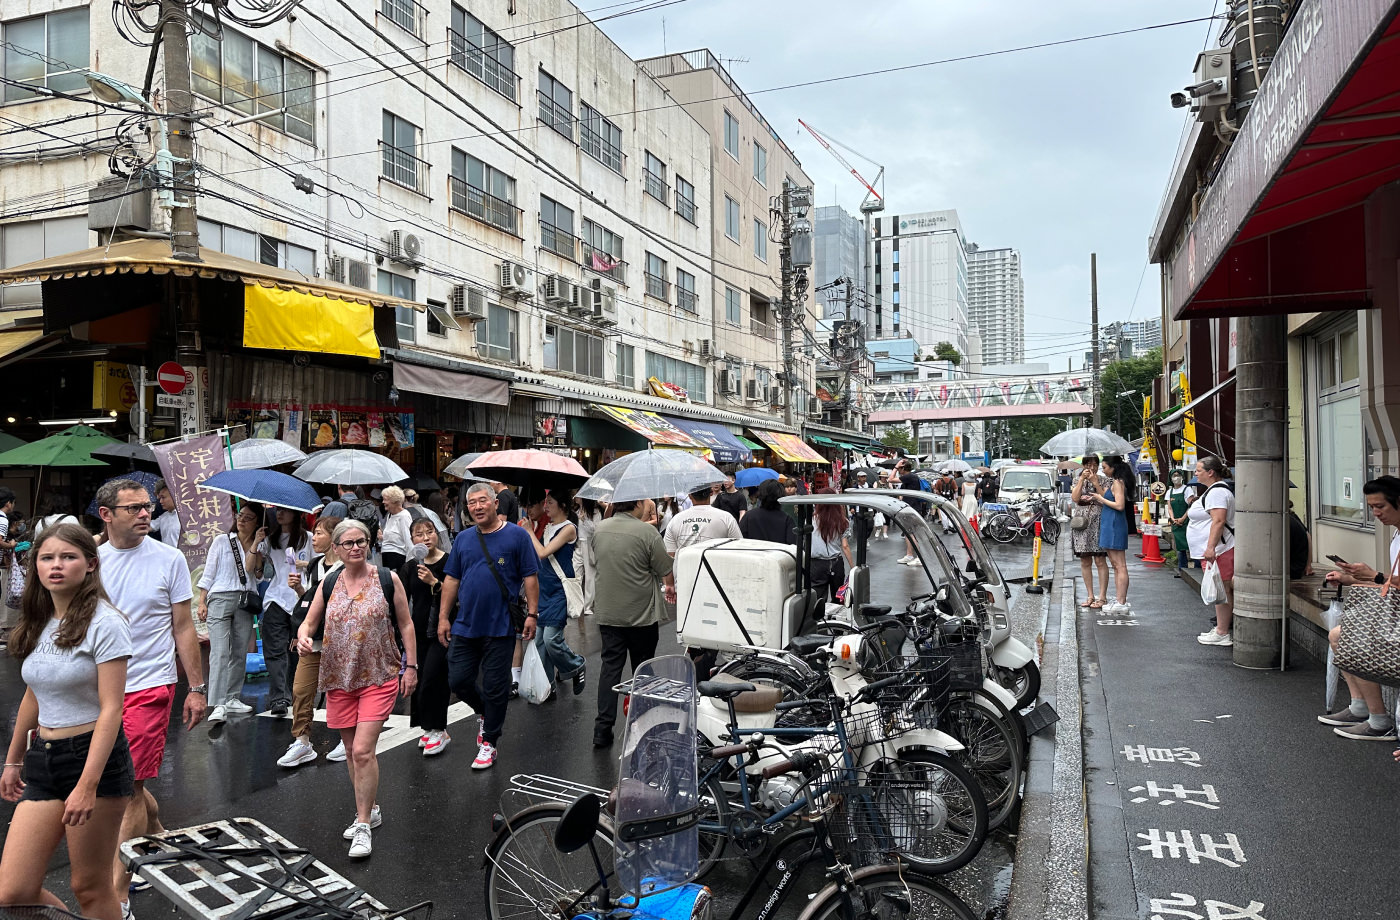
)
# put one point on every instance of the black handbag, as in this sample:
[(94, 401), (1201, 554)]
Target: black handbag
[(513, 604), (248, 599)]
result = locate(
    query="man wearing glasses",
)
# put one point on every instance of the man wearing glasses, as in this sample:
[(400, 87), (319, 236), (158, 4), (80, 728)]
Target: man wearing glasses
[(150, 583)]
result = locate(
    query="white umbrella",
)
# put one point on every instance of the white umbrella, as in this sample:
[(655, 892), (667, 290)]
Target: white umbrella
[(955, 465), (1084, 442), (459, 469), (350, 467), (650, 474), (263, 453)]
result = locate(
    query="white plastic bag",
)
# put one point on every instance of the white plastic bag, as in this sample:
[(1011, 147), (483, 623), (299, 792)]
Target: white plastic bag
[(1332, 618), (1212, 585), (535, 686)]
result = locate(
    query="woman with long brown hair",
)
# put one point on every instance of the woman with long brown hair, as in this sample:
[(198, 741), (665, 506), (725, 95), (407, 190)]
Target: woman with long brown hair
[(77, 774), (830, 552)]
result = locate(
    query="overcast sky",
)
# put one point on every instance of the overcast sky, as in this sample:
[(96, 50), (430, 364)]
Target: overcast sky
[(1057, 152)]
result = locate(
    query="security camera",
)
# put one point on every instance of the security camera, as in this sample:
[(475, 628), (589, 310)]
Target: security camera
[(1205, 88), (1180, 100)]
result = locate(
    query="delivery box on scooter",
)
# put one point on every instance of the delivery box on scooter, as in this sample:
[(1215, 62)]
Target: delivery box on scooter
[(731, 594)]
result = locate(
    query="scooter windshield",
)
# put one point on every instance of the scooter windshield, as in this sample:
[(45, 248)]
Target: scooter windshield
[(658, 843)]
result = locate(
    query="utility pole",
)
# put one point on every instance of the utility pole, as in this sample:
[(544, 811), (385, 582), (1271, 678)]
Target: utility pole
[(796, 258), (1094, 321)]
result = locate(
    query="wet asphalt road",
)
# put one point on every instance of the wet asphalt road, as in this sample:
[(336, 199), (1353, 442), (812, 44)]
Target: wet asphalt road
[(437, 810)]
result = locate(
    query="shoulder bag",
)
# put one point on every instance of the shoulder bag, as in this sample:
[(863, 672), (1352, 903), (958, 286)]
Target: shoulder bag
[(248, 599), (513, 604), (573, 589), (1369, 644)]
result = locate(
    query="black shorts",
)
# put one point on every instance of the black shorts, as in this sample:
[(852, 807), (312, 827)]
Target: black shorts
[(52, 768)]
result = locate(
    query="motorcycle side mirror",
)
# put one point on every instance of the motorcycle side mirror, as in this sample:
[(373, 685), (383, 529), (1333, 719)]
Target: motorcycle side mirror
[(578, 824)]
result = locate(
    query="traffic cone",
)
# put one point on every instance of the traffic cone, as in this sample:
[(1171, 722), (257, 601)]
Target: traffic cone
[(1151, 546)]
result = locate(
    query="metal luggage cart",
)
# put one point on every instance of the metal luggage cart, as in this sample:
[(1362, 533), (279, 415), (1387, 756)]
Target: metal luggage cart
[(240, 869)]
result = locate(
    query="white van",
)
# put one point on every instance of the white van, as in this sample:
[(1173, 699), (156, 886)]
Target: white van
[(1020, 481)]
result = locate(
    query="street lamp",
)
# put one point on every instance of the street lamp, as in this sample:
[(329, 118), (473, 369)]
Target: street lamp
[(115, 92)]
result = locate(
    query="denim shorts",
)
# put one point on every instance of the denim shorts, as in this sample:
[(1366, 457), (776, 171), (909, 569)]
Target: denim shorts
[(52, 768)]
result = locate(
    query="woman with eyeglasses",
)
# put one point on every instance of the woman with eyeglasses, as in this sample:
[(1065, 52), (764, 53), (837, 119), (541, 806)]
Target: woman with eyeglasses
[(362, 671), (228, 602)]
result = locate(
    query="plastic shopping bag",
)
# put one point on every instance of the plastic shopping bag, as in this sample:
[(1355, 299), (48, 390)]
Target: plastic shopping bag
[(535, 686), (1212, 585), (1332, 617)]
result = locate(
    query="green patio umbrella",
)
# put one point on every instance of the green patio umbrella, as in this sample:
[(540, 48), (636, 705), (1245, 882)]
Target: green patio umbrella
[(69, 447), (10, 442)]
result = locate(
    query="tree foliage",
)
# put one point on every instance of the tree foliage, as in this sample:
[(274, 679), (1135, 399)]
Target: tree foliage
[(901, 438), (1027, 434), (1121, 377), (945, 351)]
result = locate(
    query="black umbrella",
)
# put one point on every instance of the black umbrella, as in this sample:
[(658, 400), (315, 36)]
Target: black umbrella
[(419, 484), (137, 455)]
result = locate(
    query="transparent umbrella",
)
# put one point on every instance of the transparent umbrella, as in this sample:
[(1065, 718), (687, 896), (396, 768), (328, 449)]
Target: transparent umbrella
[(955, 465), (262, 453), (1083, 442), (459, 469), (650, 474), (349, 467)]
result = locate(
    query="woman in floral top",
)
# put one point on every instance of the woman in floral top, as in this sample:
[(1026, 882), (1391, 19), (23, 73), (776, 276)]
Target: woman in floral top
[(362, 670)]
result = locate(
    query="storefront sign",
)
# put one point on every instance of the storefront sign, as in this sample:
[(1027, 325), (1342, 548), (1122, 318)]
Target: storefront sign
[(789, 447), (651, 426), (551, 430), (322, 427), (724, 447), (353, 428), (1188, 428), (204, 516), (112, 389), (166, 401), (667, 390)]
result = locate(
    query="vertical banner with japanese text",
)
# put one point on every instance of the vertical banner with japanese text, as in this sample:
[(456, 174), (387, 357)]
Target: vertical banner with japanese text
[(204, 515)]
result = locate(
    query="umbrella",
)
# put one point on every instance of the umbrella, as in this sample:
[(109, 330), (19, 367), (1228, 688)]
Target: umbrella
[(147, 480), (459, 469), (650, 474), (1083, 442), (10, 442), (955, 466), (420, 484), (267, 486), (530, 469), (1069, 466), (350, 467), (70, 447), (124, 450), (751, 476), (262, 453)]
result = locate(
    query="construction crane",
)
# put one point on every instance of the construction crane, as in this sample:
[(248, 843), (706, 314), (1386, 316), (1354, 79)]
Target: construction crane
[(874, 201)]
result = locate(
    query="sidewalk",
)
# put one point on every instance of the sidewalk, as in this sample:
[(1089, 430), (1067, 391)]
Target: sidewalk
[(1212, 791)]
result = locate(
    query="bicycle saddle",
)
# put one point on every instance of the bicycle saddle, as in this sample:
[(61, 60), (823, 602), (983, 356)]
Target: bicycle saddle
[(806, 645), (747, 697), (871, 611)]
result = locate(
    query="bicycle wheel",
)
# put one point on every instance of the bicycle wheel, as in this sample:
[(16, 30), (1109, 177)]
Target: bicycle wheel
[(1023, 681), (999, 529), (1049, 530), (992, 753), (794, 684), (928, 809), (527, 878), (888, 893), (714, 818)]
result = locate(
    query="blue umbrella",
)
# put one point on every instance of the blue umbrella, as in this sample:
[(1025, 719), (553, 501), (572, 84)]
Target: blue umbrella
[(267, 486), (147, 480), (752, 476)]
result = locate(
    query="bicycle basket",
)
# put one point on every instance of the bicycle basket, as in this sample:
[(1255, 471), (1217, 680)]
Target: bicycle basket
[(872, 723), (876, 814), (964, 663)]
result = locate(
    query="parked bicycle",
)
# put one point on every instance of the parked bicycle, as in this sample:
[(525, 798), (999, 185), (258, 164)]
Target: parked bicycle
[(1019, 521)]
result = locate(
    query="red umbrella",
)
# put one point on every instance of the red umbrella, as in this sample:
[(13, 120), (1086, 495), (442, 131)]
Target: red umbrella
[(530, 469)]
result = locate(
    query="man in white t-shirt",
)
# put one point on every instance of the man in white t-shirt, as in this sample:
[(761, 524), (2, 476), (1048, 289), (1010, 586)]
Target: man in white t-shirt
[(167, 526), (700, 522), (1366, 718), (150, 583)]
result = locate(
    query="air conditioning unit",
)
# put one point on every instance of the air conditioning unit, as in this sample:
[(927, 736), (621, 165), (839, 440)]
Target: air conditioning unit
[(728, 384), (335, 269), (468, 302), (777, 396), (517, 280), (604, 305), (406, 248), (753, 392), (814, 410), (359, 274), (559, 291), (705, 349)]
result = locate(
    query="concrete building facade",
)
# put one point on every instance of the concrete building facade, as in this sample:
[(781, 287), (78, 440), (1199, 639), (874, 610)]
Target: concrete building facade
[(921, 279), (996, 303)]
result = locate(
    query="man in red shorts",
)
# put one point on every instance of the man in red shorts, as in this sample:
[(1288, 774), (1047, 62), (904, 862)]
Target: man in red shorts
[(150, 583)]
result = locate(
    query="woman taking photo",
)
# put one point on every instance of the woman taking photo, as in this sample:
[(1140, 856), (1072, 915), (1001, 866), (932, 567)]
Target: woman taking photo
[(362, 671), (557, 551), (1113, 531), (77, 778), (308, 671), (423, 581), (288, 550), (228, 602), (1085, 540), (830, 552)]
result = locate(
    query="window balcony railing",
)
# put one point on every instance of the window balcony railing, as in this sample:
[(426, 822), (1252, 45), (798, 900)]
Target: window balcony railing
[(685, 207), (554, 240), (759, 328), (488, 209), (654, 185), (477, 62), (687, 301), (403, 168), (406, 14), (600, 149), (658, 287), (555, 115), (598, 261)]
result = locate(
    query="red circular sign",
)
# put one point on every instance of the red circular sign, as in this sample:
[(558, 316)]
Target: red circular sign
[(171, 378)]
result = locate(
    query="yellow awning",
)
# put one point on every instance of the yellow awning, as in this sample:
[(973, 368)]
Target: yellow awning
[(293, 321), (789, 447)]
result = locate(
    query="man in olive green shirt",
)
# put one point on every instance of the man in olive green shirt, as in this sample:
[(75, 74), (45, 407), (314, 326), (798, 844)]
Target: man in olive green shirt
[(628, 605)]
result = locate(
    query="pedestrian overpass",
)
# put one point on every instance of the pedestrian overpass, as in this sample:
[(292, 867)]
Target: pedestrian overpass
[(981, 398)]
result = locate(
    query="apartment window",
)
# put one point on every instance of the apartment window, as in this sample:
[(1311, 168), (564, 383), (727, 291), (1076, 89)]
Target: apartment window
[(731, 135), (760, 164), (399, 144), (602, 251), (657, 285), (483, 54), (257, 247), (627, 366), (405, 14), (498, 337), (733, 307), (405, 318), (685, 199), (760, 239), (669, 370), (600, 138), (556, 105), (253, 79), (654, 177), (32, 240), (557, 228), (731, 218), (435, 326), (685, 291), (481, 191), (62, 38), (573, 352), (1340, 459)]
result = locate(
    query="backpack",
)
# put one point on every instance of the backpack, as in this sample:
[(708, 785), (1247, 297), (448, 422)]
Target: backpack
[(386, 585), (1227, 486), (924, 485), (367, 513)]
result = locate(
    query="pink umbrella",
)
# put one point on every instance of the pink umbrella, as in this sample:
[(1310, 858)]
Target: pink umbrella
[(530, 469)]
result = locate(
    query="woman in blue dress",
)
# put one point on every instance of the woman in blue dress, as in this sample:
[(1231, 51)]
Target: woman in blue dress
[(556, 554), (1113, 531)]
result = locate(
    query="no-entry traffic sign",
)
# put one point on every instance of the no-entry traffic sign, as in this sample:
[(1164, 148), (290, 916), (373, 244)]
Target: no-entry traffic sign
[(171, 378)]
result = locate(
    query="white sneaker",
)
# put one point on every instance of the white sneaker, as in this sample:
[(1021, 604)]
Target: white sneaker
[(237, 705), (299, 753), (903, 560), (914, 562), (375, 819), (126, 911), (218, 714), (337, 755), (485, 757), (360, 841), (1114, 608), (437, 743), (1211, 637), (423, 740)]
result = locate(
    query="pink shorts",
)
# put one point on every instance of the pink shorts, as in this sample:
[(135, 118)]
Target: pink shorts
[(146, 719), (348, 708), (1226, 563)]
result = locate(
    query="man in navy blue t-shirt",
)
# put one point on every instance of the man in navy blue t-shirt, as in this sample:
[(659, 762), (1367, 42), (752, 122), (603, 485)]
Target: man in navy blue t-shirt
[(481, 641)]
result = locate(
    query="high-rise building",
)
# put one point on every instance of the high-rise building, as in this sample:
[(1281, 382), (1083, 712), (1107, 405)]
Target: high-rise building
[(996, 303), (839, 251), (1146, 334), (921, 279)]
